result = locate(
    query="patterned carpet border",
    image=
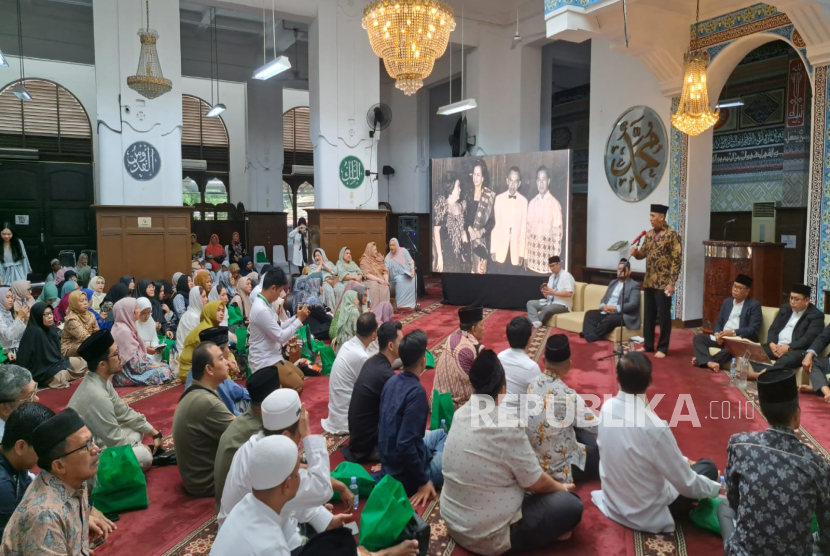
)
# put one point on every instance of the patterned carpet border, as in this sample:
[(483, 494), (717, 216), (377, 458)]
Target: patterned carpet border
[(147, 391), (415, 315)]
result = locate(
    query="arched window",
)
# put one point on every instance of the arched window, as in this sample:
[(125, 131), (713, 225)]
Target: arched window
[(205, 153), (54, 122), (297, 145), (288, 203), (305, 199)]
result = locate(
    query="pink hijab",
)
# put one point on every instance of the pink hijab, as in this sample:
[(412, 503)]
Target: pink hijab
[(399, 256), (124, 331)]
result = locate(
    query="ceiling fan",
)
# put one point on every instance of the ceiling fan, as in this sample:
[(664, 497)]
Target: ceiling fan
[(517, 38)]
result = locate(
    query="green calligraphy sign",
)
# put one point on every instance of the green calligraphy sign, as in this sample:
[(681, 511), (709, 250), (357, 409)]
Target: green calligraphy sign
[(352, 172)]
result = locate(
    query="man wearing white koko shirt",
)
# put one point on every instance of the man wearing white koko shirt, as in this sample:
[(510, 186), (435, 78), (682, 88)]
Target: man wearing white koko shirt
[(559, 294)]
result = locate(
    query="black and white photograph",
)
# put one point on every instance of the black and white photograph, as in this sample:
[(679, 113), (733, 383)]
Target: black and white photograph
[(505, 214)]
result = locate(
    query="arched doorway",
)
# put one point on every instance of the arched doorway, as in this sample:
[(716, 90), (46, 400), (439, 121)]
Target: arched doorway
[(46, 177), (761, 154)]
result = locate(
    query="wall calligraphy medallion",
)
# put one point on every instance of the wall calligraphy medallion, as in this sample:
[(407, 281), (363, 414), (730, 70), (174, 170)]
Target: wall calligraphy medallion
[(352, 172), (636, 154), (142, 161)]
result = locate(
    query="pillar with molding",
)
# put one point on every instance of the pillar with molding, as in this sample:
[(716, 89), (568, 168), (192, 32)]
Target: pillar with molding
[(344, 82), (124, 116)]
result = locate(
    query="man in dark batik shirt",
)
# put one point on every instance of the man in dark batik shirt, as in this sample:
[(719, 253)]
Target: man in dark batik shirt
[(774, 483)]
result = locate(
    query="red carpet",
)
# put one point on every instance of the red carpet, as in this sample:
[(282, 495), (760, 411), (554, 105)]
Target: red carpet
[(178, 524)]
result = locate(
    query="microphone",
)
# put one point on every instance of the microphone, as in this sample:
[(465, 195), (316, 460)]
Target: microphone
[(639, 237), (726, 225)]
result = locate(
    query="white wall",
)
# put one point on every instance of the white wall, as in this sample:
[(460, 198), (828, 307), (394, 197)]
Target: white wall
[(618, 82), (234, 97), (292, 98), (78, 79)]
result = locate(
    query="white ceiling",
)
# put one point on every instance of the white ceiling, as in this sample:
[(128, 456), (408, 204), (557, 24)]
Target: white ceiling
[(497, 12)]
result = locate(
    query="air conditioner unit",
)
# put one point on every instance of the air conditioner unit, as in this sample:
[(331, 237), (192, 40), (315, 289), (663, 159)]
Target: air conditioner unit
[(302, 170), (192, 164), (763, 222), (19, 154)]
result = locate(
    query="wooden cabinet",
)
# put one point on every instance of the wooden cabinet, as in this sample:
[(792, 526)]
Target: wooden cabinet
[(333, 229), (142, 242)]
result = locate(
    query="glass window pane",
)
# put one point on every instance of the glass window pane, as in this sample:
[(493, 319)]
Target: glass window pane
[(305, 199)]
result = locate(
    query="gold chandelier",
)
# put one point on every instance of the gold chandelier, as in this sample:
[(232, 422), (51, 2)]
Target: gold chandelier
[(694, 116), (408, 35), (149, 81)]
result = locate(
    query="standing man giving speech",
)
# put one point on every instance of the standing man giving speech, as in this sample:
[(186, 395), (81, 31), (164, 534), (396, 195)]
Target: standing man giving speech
[(663, 253)]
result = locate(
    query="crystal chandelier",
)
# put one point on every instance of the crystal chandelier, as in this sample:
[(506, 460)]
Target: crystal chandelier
[(694, 116), (148, 80), (409, 35)]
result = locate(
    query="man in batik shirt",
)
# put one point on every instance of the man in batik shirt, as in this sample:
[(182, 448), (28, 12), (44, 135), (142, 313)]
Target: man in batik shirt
[(774, 483), (544, 225), (663, 251), (566, 453)]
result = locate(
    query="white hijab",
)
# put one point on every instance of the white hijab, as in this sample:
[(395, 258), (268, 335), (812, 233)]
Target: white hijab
[(147, 330), (190, 319), (97, 297)]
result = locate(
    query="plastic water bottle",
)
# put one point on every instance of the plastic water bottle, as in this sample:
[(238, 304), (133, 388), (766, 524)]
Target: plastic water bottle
[(743, 370), (444, 425), (722, 494), (733, 373), (353, 488)]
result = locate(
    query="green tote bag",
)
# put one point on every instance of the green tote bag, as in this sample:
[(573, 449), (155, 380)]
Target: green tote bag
[(442, 408), (344, 473), (121, 485), (385, 515)]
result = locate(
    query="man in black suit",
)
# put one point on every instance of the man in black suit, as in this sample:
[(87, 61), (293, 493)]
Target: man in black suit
[(793, 331), (818, 367), (740, 316), (620, 305)]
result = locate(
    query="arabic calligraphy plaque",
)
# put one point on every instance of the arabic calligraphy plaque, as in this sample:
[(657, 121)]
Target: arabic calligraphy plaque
[(142, 161), (352, 172), (636, 154)]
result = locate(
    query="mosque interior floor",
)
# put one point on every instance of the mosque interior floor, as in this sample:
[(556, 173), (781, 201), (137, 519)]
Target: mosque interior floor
[(176, 524)]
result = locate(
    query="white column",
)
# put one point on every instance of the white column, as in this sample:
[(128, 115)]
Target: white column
[(124, 116), (344, 82), (507, 86), (265, 146)]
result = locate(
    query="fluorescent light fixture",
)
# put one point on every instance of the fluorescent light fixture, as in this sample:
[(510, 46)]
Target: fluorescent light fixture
[(215, 110), (3, 61), (272, 68), (460, 106), (730, 103), (21, 92)]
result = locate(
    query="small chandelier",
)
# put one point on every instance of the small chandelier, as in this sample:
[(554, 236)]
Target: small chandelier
[(694, 116), (148, 80), (408, 35)]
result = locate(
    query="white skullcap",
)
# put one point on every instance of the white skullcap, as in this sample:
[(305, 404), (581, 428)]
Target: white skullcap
[(281, 409), (273, 459)]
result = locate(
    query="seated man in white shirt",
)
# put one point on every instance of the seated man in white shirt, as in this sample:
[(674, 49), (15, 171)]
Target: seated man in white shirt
[(620, 306), (350, 359), (645, 478), (496, 497), (283, 414), (558, 292), (267, 335), (255, 525), (519, 369)]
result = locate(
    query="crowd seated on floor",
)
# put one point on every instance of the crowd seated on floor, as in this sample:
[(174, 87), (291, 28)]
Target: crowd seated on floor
[(224, 322)]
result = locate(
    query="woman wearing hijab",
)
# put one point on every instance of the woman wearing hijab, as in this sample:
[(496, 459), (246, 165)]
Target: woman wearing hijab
[(220, 294), (375, 273), (55, 265), (129, 281), (165, 304), (22, 291), (190, 319), (246, 267), (49, 294), (147, 289), (195, 247), (69, 286), (299, 235), (212, 315), (97, 284), (137, 369), (402, 271), (40, 351), (84, 271), (237, 251), (99, 318), (344, 324), (204, 281), (79, 324), (332, 286), (242, 298), (182, 297), (146, 326), (11, 326), (347, 269), (62, 276), (214, 253), (118, 292), (228, 280)]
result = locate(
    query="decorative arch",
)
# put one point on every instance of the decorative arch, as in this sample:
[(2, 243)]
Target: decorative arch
[(204, 139)]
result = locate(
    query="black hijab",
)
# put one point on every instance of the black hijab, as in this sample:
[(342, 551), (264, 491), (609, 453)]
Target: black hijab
[(168, 292), (40, 347), (126, 281), (117, 293), (157, 311), (183, 289)]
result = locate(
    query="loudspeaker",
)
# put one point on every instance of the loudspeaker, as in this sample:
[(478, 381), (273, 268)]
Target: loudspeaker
[(408, 232), (388, 171)]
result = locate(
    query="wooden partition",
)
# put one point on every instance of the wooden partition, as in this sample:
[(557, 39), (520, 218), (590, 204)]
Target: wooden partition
[(142, 242), (267, 229), (333, 229)]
